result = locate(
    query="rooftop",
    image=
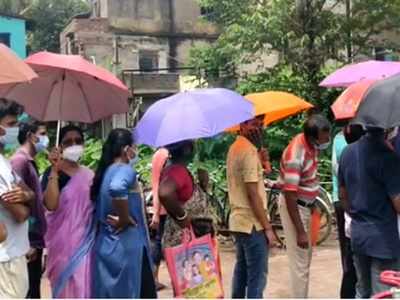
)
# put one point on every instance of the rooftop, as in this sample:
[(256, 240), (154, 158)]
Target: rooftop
[(13, 16)]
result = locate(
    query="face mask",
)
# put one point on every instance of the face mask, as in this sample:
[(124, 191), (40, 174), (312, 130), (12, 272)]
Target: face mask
[(133, 161), (73, 153), (322, 147), (42, 144), (11, 136)]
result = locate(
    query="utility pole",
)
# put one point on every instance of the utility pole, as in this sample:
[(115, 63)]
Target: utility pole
[(349, 44), (115, 65)]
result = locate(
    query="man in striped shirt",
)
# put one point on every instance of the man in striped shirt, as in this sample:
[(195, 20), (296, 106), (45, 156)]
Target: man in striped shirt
[(300, 186)]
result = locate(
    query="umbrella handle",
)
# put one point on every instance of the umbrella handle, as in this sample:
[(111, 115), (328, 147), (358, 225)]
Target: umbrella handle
[(58, 133)]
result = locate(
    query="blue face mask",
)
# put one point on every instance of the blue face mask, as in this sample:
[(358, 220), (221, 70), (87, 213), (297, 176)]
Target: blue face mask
[(11, 137), (42, 144)]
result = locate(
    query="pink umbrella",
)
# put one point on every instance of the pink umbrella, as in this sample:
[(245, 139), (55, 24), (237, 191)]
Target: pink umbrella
[(69, 88), (12, 68), (369, 70)]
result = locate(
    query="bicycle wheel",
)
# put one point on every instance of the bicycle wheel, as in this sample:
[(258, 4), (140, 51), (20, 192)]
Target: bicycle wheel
[(275, 217)]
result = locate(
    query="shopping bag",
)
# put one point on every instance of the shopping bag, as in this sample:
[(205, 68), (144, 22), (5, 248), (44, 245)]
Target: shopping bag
[(194, 267)]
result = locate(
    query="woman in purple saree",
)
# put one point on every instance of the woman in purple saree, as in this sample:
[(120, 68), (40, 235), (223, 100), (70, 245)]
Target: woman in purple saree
[(70, 234)]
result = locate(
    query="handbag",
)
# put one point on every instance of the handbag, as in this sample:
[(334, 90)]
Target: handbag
[(194, 267)]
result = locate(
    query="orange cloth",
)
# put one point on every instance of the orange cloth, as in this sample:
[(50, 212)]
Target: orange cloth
[(315, 225), (160, 157)]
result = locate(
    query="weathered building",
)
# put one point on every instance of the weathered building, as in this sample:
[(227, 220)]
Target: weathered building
[(147, 42)]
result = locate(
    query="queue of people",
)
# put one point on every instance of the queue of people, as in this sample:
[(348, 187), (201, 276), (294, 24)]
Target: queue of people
[(94, 227)]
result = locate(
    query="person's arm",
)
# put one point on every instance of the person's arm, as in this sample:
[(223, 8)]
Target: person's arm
[(256, 204), (20, 212), (119, 191), (250, 173), (291, 178), (3, 232), (294, 214), (51, 195), (390, 175), (169, 199)]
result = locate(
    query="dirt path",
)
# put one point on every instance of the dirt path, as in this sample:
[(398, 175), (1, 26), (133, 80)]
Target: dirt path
[(325, 273)]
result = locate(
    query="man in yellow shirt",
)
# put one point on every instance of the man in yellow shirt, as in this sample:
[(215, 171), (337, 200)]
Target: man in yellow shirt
[(248, 220)]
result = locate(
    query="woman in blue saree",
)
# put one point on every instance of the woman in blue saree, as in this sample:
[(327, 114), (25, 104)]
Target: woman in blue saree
[(122, 265)]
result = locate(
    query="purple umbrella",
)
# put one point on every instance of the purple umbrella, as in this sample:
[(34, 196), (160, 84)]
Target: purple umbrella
[(368, 70), (191, 115)]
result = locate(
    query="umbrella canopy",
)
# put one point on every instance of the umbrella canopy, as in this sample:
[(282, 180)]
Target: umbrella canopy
[(369, 70), (380, 106), (346, 105), (12, 68), (69, 88), (276, 106), (191, 115)]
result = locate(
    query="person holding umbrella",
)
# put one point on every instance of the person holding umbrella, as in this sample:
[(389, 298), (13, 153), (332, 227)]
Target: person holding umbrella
[(185, 202), (369, 175), (248, 219), (66, 186), (122, 259), (349, 134)]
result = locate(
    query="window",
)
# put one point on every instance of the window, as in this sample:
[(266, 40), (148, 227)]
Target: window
[(5, 38), (148, 60), (383, 54)]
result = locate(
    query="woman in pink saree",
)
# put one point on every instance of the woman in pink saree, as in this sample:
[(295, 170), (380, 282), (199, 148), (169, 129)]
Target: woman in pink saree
[(70, 234)]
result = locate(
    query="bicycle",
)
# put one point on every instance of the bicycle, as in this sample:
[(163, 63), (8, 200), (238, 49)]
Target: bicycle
[(322, 204)]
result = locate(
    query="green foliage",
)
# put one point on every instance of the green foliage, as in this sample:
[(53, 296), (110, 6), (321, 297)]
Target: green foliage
[(92, 154), (42, 162), (49, 19)]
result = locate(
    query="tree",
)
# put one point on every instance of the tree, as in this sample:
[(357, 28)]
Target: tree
[(49, 18), (13, 6), (306, 34)]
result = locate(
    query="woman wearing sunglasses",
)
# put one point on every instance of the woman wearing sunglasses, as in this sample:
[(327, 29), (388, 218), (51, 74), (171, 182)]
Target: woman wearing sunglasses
[(70, 231)]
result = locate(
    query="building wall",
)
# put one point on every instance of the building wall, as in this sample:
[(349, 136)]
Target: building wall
[(16, 27)]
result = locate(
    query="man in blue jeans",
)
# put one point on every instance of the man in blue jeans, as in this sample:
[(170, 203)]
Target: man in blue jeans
[(248, 220), (369, 176)]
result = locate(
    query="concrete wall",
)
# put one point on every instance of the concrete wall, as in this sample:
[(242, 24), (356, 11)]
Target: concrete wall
[(16, 28)]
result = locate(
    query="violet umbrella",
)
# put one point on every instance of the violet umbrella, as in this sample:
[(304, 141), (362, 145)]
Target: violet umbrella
[(191, 115), (368, 70)]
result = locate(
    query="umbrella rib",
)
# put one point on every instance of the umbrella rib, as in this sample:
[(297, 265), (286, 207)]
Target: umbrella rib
[(63, 78), (86, 101), (48, 100)]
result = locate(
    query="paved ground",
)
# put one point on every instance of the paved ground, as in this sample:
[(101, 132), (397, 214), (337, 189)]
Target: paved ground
[(325, 273)]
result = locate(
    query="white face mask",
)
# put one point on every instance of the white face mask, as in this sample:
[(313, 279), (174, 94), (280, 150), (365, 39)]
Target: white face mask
[(11, 136), (323, 146), (73, 153)]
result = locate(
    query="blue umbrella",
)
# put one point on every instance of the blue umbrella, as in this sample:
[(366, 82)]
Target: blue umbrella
[(191, 115)]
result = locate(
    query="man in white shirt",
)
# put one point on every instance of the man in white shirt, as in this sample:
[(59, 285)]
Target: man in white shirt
[(15, 200)]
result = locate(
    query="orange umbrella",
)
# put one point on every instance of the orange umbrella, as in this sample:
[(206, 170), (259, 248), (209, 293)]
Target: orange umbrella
[(12, 68), (276, 106), (346, 105)]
